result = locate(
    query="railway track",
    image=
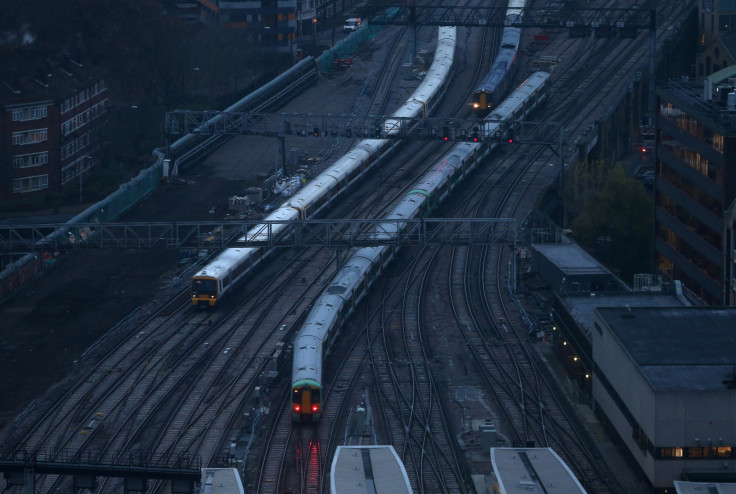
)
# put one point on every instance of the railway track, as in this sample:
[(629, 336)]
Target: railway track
[(115, 390)]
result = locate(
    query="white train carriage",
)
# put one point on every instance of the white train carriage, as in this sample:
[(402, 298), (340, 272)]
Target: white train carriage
[(219, 275), (335, 304), (531, 93), (494, 85), (321, 328), (215, 280)]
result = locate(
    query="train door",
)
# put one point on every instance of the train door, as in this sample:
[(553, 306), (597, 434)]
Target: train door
[(301, 400), (305, 403)]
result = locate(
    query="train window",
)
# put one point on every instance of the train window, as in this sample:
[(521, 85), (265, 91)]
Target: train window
[(204, 286)]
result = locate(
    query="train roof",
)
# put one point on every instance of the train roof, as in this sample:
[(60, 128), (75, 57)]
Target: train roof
[(355, 468), (224, 261)]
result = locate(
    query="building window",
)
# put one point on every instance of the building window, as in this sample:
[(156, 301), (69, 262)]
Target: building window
[(724, 451), (30, 113), (30, 184), (30, 160), (675, 452), (30, 137)]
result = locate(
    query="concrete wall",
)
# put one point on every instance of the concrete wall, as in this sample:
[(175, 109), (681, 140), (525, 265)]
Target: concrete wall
[(669, 418), (634, 390)]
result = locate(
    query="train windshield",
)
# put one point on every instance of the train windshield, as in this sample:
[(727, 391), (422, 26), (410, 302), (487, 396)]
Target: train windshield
[(204, 287)]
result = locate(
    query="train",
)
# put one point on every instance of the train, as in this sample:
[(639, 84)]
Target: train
[(216, 279), (335, 304), (496, 82)]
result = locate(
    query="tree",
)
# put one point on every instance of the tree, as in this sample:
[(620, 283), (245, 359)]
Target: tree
[(616, 225)]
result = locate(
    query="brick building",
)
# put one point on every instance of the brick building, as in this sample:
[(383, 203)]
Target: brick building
[(50, 129)]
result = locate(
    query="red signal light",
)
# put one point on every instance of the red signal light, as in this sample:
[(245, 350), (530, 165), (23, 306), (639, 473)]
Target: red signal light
[(511, 141)]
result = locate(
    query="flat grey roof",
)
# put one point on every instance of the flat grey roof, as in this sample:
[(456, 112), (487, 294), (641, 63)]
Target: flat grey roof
[(524, 470), (682, 487), (221, 481), (582, 307), (368, 470), (678, 347), (571, 259)]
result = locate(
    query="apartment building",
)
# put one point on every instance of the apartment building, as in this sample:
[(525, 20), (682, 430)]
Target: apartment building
[(695, 184), (50, 129)]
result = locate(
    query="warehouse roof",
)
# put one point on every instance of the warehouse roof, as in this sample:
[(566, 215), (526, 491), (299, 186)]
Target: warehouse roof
[(679, 347), (582, 306), (571, 259)]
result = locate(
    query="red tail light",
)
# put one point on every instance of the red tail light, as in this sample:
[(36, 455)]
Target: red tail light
[(315, 408), (297, 408)]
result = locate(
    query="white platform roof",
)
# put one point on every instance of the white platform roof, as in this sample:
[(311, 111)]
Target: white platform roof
[(525, 470), (368, 470), (221, 481), (682, 487)]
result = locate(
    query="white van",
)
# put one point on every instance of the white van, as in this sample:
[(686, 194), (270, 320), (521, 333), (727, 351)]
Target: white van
[(351, 24)]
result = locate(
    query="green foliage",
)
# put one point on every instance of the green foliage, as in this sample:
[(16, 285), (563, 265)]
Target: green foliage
[(616, 221), (583, 184)]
